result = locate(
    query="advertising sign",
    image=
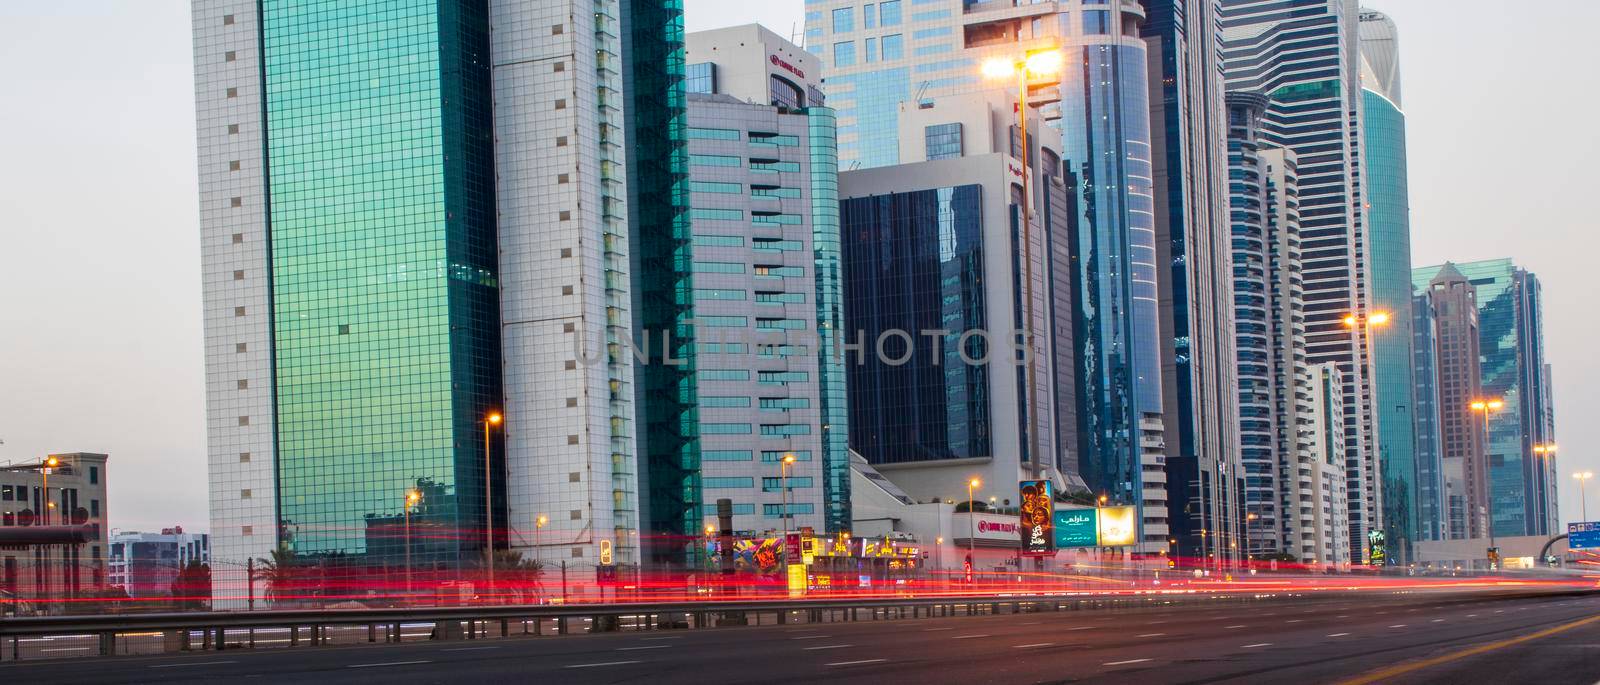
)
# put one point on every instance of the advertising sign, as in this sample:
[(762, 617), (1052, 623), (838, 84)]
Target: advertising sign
[(1077, 528), (1583, 535), (1118, 526), (1036, 519), (1375, 548)]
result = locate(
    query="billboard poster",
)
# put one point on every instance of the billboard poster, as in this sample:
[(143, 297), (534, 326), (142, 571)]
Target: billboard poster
[(1037, 517), (1583, 535), (1077, 528), (1376, 555), (1118, 526)]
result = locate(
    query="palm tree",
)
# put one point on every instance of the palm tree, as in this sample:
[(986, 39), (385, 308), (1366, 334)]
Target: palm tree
[(519, 572), (278, 570)]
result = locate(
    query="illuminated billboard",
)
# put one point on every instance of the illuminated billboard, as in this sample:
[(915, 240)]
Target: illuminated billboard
[(1118, 526), (1036, 517), (1077, 528)]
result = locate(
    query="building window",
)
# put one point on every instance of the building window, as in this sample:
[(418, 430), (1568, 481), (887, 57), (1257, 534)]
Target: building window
[(724, 429), (775, 483), (1097, 22), (942, 141), (700, 78), (6, 493), (247, 530), (776, 510), (94, 475), (844, 54), (869, 16), (244, 494), (871, 50), (785, 94), (844, 20), (785, 430), (727, 483), (894, 47), (244, 457), (889, 13)]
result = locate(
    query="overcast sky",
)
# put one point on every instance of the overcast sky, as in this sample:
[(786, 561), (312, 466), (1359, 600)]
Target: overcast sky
[(100, 335)]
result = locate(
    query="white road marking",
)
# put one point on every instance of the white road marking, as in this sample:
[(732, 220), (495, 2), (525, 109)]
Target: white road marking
[(1082, 628), (1122, 663), (1155, 623), (1398, 625), (390, 663), (1258, 644), (853, 663), (1338, 635), (811, 637), (468, 649), (1472, 615), (1036, 644), (1293, 620), (674, 637), (196, 663), (1151, 635), (813, 649), (1031, 623), (603, 663), (967, 637), (634, 649), (1232, 627), (1437, 620), (930, 630)]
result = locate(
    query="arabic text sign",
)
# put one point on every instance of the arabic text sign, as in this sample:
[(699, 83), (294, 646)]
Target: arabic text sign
[(1077, 528)]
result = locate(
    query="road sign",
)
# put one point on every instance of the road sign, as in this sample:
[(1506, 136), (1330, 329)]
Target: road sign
[(1583, 535)]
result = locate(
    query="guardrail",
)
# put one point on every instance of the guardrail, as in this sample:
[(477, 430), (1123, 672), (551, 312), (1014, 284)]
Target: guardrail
[(222, 630)]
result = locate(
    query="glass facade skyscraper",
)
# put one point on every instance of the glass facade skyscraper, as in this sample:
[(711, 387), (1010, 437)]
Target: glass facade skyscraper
[(1394, 401)]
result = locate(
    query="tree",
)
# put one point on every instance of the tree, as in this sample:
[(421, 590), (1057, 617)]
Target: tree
[(279, 570), (516, 571), (191, 589)]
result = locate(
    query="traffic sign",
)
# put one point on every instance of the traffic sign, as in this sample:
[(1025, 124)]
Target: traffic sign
[(1583, 535)]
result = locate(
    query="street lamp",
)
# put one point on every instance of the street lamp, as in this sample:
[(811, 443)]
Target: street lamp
[(413, 496), (1583, 490), (538, 525), (972, 541), (783, 472), (1039, 63), (1486, 407), (493, 419)]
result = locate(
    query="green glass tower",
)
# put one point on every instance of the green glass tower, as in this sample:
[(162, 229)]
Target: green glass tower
[(385, 321)]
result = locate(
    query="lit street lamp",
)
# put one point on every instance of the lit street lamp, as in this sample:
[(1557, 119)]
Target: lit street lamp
[(493, 419), (783, 472), (413, 496), (1486, 407), (972, 541), (1583, 490), (1038, 63)]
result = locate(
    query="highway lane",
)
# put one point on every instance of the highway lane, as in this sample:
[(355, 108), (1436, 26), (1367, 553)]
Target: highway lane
[(1312, 641)]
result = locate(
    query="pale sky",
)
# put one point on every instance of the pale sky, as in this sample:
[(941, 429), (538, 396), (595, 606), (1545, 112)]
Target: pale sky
[(100, 329)]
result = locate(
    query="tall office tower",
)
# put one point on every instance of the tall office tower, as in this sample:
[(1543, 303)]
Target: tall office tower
[(1190, 160), (1325, 533), (348, 241), (1305, 61), (1521, 473), (933, 270), (763, 185), (1383, 138), (1453, 304), (1433, 512)]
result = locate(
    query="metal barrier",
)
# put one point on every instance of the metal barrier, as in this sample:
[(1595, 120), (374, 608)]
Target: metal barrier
[(243, 630)]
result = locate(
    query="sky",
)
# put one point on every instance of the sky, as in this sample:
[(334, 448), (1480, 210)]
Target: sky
[(100, 319)]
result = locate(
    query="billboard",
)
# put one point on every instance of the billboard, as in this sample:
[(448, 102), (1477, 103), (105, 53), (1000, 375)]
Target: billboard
[(1583, 535), (1036, 517), (1119, 526), (1077, 528), (1376, 555)]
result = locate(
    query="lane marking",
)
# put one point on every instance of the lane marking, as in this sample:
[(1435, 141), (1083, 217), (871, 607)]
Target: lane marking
[(1029, 623), (1036, 644), (1155, 623), (1398, 625), (1293, 620), (633, 649), (813, 649), (811, 637), (930, 630), (1232, 627), (853, 663), (967, 637), (1338, 635), (1122, 663), (1437, 620), (1258, 644), (390, 663), (1393, 671), (197, 663), (603, 663), (1082, 628), (674, 637), (468, 649), (1151, 635)]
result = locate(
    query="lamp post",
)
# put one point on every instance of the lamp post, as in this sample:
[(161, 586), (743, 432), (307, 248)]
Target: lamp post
[(972, 540), (783, 477), (50, 462), (1365, 326), (1583, 490), (493, 419), (413, 496), (1040, 63), (1485, 407), (1543, 452)]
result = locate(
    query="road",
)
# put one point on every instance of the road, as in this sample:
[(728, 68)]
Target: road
[(1485, 636)]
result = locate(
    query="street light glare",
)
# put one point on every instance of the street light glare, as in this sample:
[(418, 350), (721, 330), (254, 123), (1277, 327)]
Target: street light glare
[(1045, 63), (998, 68), (1350, 320), (1496, 404), (495, 418), (1378, 318)]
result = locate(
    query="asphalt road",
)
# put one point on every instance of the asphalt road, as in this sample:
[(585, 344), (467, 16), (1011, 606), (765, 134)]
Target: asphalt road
[(1477, 637)]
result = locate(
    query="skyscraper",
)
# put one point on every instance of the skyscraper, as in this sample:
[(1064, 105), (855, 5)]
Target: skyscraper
[(1521, 479), (1306, 62), (1191, 221), (414, 216), (1453, 306), (763, 193), (1383, 139), (1433, 506), (349, 248)]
